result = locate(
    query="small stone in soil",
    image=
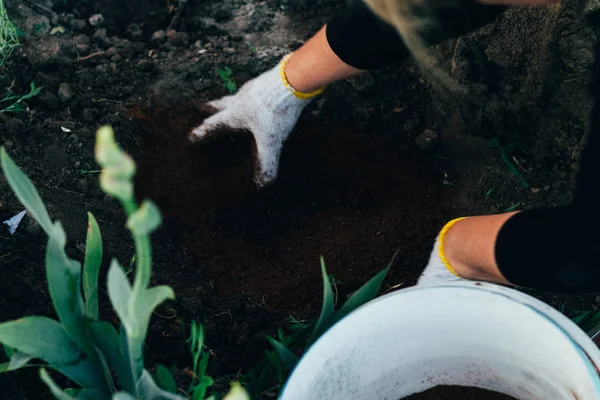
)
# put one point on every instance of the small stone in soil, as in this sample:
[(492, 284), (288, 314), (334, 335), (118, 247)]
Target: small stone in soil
[(177, 38), (101, 38), (427, 141), (158, 37), (96, 20), (49, 101), (111, 51), (89, 114), (82, 185), (78, 24), (65, 92), (37, 25), (145, 65), (49, 82)]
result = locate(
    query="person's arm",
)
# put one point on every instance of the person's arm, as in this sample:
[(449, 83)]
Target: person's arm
[(354, 40), (545, 248)]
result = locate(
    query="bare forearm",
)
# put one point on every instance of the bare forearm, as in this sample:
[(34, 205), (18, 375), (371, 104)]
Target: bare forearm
[(315, 65), (470, 245)]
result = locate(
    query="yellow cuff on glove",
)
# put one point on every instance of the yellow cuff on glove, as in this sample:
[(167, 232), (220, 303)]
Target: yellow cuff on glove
[(442, 238), (286, 83)]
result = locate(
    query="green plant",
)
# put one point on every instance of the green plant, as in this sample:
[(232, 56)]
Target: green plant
[(281, 360), (17, 99), (79, 345), (586, 320), (506, 151), (39, 28), (226, 75), (251, 46), (201, 382), (9, 35)]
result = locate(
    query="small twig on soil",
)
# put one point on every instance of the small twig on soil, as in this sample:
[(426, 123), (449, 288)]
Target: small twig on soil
[(119, 102), (53, 15), (99, 53), (391, 288), (519, 164), (175, 20), (574, 79)]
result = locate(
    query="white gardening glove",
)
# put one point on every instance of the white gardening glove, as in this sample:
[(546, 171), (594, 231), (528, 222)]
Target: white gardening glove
[(268, 106), (437, 271)]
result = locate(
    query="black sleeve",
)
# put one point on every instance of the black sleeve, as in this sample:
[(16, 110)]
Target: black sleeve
[(558, 248), (363, 41)]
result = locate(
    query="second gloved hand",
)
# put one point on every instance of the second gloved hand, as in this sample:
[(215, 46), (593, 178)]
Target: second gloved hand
[(269, 108)]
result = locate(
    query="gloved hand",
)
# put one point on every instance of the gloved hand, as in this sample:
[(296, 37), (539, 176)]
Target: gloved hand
[(268, 106), (438, 270)]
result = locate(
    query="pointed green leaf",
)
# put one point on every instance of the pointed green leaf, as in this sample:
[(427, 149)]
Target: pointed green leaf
[(164, 379), (18, 360), (199, 391), (204, 381), (363, 295), (25, 192), (147, 389), (91, 268), (150, 299), (288, 359), (119, 292), (46, 339), (107, 340), (145, 220), (64, 284), (56, 391), (326, 318)]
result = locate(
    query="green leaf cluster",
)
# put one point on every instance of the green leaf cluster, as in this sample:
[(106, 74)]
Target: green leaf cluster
[(104, 361)]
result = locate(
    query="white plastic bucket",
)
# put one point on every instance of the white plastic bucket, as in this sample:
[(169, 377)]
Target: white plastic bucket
[(466, 333)]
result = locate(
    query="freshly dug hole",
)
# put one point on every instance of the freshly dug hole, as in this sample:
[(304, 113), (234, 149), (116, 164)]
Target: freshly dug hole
[(458, 393)]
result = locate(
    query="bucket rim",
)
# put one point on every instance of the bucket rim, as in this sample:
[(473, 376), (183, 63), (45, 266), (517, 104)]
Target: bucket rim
[(581, 342)]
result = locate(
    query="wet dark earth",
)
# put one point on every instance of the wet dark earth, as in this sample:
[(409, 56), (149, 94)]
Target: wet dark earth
[(356, 183)]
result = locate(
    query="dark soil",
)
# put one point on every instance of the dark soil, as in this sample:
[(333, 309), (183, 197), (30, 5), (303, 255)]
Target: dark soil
[(355, 183), (458, 393)]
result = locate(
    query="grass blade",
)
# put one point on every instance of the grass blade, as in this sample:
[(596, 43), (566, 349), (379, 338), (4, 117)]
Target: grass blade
[(91, 267), (365, 294), (25, 192), (164, 379), (56, 391), (326, 317), (288, 359)]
